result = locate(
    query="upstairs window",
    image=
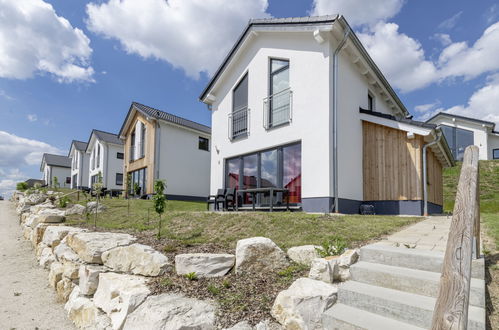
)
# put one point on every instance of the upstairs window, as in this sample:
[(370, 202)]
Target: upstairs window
[(98, 155), (278, 103), (204, 144), (238, 119), (495, 154), (143, 140), (120, 155), (370, 102)]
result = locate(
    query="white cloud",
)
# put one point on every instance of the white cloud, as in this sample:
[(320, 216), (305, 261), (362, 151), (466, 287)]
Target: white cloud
[(422, 108), (492, 14), (9, 179), (35, 40), (359, 12), (193, 35), (409, 69), (17, 151), (32, 117), (443, 38), (450, 22), (459, 59), (482, 104)]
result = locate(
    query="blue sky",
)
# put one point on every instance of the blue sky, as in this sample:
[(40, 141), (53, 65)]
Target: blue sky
[(69, 66)]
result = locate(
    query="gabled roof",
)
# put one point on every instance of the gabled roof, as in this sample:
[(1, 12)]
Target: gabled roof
[(161, 115), (450, 115), (105, 137), (305, 22), (77, 145), (400, 120), (56, 160)]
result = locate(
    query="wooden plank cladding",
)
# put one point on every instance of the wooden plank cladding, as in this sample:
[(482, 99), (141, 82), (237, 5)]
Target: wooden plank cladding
[(392, 166)]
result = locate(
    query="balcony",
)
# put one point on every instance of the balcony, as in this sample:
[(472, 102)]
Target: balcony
[(239, 123), (277, 109)]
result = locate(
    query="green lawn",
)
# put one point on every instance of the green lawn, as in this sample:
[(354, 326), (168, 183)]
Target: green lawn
[(189, 223), (489, 194)]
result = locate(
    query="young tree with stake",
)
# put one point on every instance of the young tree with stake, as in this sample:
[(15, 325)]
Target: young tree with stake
[(97, 186), (159, 200)]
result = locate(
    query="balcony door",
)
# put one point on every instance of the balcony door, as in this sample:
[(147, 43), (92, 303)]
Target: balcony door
[(240, 109), (279, 92)]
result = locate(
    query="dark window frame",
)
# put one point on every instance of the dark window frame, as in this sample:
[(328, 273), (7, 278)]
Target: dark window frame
[(237, 85), (270, 75), (116, 179), (493, 155), (371, 101), (120, 155), (453, 145), (203, 143)]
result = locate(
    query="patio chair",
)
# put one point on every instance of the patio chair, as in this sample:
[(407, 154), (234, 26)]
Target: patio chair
[(215, 199), (230, 199)]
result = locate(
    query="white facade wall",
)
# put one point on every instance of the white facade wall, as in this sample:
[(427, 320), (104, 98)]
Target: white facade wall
[(108, 164), (493, 142), (309, 81), (61, 173), (310, 72), (480, 134), (182, 164), (79, 167)]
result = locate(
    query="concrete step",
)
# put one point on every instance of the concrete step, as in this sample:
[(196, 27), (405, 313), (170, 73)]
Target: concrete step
[(413, 258), (410, 308), (410, 280), (344, 317)]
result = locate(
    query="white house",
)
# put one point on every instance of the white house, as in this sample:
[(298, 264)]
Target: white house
[(461, 132), (159, 145), (105, 152), (79, 164), (299, 104), (56, 166)]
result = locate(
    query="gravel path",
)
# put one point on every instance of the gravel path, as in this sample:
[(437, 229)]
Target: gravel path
[(26, 300)]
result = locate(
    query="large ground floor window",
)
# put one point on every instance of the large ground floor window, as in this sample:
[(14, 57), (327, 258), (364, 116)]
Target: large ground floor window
[(457, 139), (278, 167), (138, 182)]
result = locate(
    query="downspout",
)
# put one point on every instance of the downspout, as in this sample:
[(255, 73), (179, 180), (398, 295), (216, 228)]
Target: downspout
[(335, 116), (425, 171)]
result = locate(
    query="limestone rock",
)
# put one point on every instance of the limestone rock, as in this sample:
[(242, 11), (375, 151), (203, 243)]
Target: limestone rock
[(63, 289), (91, 206), (75, 209), (137, 259), (302, 304), (53, 211), (172, 312), (37, 208), (89, 278), (55, 273), (83, 312), (37, 234), (90, 245), (268, 325), (321, 270), (50, 218), (118, 295), (63, 253), (27, 232), (71, 270), (348, 258), (204, 264), (303, 254), (259, 254), (46, 258), (34, 199), (55, 234)]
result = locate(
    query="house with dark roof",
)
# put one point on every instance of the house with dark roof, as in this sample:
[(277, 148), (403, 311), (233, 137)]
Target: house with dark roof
[(285, 110), (56, 166), (160, 145), (105, 152), (461, 132), (79, 164)]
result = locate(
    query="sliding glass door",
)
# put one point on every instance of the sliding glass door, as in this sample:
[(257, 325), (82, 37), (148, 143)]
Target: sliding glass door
[(278, 167)]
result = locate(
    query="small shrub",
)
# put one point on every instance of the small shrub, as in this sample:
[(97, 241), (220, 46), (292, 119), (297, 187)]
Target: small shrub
[(191, 276), (169, 249), (213, 290), (335, 246), (55, 182), (21, 186), (226, 283), (63, 202), (37, 186), (136, 189)]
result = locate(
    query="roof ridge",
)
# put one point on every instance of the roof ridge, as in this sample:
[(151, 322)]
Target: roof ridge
[(99, 130), (171, 114)]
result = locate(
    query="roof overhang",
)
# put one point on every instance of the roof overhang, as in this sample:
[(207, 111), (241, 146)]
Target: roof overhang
[(457, 118), (129, 118)]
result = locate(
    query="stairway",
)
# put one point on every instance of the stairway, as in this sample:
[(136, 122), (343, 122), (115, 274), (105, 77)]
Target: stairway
[(396, 288)]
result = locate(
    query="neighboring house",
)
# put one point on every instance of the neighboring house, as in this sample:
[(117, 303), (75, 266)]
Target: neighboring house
[(105, 152), (79, 165), (56, 166), (283, 114), (461, 132), (159, 145)]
